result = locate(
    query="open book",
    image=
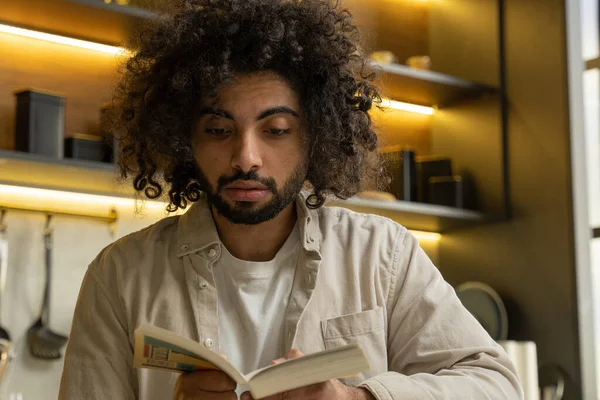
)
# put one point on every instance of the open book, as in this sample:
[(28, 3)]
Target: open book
[(162, 349)]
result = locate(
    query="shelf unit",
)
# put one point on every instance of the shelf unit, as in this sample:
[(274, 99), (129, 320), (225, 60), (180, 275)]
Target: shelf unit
[(417, 216), (428, 88), (30, 170), (112, 24), (23, 169), (91, 20)]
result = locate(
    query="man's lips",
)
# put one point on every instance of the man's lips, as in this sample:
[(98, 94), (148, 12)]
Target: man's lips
[(247, 191), (246, 185)]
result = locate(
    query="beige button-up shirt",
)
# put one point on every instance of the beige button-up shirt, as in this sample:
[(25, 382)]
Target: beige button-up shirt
[(360, 278)]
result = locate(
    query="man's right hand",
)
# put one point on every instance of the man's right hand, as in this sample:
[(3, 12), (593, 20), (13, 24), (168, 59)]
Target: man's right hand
[(205, 385)]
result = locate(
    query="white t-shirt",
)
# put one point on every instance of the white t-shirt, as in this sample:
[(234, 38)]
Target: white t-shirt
[(253, 297)]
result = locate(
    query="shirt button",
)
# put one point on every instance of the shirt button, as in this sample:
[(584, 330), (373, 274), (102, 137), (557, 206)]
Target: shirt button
[(208, 343), (212, 253), (185, 247), (203, 284), (311, 239)]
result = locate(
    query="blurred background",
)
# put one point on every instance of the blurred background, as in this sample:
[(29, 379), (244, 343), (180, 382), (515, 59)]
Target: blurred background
[(491, 130)]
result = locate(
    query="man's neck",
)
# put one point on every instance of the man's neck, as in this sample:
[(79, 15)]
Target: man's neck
[(259, 242)]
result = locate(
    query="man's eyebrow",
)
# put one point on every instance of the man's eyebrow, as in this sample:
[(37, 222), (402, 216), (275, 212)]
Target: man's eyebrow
[(277, 110), (215, 111)]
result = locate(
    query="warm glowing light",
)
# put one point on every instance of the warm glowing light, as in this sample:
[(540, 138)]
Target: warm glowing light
[(426, 236), (62, 40), (55, 201), (399, 105)]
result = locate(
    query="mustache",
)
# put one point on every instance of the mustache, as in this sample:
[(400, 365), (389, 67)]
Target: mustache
[(247, 176)]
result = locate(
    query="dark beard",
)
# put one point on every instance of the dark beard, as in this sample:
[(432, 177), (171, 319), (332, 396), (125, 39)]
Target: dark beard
[(245, 213)]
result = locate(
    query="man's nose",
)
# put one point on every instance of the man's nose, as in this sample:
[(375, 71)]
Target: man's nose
[(247, 156)]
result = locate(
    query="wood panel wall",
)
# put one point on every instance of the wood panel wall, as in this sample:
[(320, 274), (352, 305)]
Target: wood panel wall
[(83, 76), (529, 260)]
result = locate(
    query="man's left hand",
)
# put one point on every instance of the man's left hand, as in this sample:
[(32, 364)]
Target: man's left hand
[(330, 390)]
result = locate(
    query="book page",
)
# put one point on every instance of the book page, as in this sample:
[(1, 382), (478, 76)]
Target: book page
[(310, 369), (158, 348)]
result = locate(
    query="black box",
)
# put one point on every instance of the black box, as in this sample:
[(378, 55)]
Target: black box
[(447, 191), (40, 123), (112, 143), (112, 152), (86, 147), (428, 167), (403, 173)]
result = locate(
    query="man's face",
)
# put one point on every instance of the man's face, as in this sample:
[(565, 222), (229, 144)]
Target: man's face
[(250, 148)]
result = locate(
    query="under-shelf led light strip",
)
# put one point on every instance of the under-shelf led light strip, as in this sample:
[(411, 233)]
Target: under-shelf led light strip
[(413, 108), (84, 204), (48, 37), (92, 204)]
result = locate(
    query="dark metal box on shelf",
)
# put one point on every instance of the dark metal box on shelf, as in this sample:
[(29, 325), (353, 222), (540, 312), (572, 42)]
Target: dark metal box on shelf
[(446, 191), (401, 169), (40, 123), (87, 147), (429, 167)]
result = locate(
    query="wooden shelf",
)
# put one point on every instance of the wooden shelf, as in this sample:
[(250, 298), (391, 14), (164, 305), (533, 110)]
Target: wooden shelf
[(24, 169), (427, 88), (417, 216), (91, 20)]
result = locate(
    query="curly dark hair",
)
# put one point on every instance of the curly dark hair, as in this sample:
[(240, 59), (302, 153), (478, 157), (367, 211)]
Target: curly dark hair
[(184, 57)]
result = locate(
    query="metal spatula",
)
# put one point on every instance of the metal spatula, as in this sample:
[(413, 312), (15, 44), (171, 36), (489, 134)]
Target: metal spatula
[(43, 342)]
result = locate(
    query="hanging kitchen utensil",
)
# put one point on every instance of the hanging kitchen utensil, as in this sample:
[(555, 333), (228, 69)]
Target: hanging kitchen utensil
[(3, 268), (6, 345), (42, 341)]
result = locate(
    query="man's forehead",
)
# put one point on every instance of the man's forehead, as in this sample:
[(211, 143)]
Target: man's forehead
[(263, 81), (254, 92)]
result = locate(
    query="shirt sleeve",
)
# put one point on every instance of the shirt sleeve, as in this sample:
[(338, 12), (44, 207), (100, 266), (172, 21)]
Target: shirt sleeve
[(436, 348), (99, 356)]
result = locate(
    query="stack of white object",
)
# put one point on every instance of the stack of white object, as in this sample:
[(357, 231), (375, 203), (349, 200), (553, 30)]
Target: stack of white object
[(524, 357)]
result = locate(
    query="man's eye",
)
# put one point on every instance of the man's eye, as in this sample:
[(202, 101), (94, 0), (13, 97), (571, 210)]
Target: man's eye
[(216, 131), (278, 132)]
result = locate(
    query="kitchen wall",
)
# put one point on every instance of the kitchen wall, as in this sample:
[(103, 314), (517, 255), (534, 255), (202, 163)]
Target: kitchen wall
[(76, 242), (529, 260)]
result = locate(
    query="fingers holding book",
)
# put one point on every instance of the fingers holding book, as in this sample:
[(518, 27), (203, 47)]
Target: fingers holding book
[(329, 390), (205, 385), (290, 355)]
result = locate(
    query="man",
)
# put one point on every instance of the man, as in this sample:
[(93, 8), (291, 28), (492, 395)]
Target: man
[(253, 112)]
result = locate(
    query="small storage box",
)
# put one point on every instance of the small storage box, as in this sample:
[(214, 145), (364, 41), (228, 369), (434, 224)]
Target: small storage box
[(428, 167), (40, 123), (447, 191), (403, 172), (86, 147)]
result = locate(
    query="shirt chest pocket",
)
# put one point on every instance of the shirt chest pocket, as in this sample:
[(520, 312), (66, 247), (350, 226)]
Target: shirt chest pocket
[(366, 328)]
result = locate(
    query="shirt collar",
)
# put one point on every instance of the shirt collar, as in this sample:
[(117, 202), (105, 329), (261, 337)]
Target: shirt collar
[(310, 234), (196, 229)]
